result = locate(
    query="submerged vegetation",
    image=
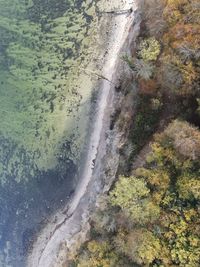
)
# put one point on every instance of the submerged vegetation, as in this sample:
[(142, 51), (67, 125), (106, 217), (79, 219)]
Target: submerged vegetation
[(151, 215), (44, 105), (42, 44)]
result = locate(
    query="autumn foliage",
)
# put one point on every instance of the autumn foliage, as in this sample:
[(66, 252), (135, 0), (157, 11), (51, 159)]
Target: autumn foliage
[(155, 213), (151, 216)]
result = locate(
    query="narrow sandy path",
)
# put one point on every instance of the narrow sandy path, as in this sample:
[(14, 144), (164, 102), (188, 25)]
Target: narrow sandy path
[(46, 248)]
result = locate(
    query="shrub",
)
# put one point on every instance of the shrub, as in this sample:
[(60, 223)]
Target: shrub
[(132, 196), (149, 49), (141, 68), (185, 139), (147, 86), (189, 187)]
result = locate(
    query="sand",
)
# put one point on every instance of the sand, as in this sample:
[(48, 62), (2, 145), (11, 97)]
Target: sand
[(47, 247)]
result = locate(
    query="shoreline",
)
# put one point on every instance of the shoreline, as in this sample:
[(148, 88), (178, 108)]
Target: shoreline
[(47, 248)]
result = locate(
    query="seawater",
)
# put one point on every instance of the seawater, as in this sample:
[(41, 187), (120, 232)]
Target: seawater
[(44, 108)]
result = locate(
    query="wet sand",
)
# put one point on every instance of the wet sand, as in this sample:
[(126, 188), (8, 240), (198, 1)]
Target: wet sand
[(67, 222)]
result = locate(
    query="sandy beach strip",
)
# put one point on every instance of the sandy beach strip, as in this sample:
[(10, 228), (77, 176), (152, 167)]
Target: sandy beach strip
[(45, 252)]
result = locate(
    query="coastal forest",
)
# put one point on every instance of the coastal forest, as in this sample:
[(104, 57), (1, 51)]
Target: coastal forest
[(151, 215)]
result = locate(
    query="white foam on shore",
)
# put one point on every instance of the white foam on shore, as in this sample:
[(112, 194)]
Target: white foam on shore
[(47, 245)]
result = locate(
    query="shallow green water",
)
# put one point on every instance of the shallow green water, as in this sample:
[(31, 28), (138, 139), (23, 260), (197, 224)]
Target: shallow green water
[(42, 45)]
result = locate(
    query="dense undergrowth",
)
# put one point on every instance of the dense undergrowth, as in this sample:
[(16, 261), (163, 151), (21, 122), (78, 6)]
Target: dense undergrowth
[(151, 217)]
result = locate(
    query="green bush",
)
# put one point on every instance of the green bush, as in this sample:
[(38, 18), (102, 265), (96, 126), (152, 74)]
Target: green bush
[(149, 49)]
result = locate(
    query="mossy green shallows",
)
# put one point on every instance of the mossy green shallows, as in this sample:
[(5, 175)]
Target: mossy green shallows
[(41, 49)]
